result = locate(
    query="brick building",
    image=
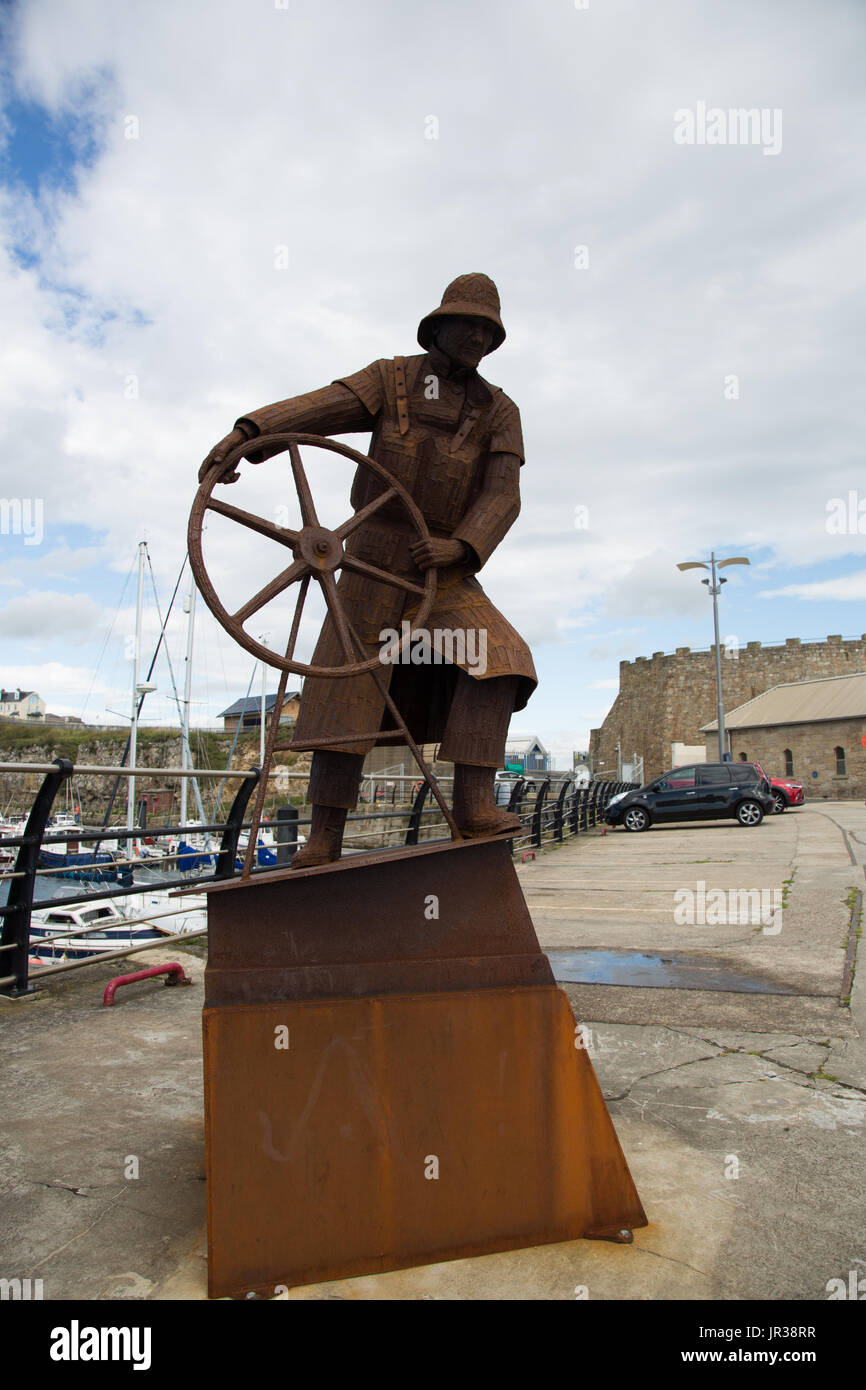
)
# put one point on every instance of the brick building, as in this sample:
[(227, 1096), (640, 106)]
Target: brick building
[(668, 699), (812, 731)]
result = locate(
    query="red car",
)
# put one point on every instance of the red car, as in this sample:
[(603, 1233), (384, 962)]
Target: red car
[(784, 790)]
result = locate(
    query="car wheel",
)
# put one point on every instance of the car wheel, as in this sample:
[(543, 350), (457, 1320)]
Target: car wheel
[(749, 813), (779, 803), (636, 818)]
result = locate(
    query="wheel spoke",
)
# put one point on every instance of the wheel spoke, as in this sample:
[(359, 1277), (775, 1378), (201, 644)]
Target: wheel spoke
[(276, 586), (296, 620), (255, 523), (273, 729), (351, 562), (360, 517), (416, 751), (305, 497), (335, 608)]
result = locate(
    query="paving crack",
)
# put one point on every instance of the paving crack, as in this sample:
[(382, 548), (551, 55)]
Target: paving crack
[(107, 1208), (65, 1187), (645, 1250), (661, 1072)]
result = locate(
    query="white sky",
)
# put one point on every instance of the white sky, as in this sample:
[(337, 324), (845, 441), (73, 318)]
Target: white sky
[(305, 127)]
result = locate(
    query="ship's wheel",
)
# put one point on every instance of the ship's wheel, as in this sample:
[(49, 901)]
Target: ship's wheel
[(318, 553)]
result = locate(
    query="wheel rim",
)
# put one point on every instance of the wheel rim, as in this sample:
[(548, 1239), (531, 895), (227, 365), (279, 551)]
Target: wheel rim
[(635, 820), (778, 803), (750, 814), (318, 552)]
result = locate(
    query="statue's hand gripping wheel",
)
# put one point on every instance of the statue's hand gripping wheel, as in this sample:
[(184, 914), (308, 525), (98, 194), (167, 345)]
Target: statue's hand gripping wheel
[(317, 554)]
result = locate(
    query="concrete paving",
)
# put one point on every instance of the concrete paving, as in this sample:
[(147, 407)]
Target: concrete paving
[(741, 1114)]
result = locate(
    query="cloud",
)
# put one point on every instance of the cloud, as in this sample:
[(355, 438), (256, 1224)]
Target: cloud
[(149, 311), (846, 589), (46, 615)]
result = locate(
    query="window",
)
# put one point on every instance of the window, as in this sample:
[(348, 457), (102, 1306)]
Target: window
[(744, 758), (714, 774), (745, 773), (789, 763), (840, 762), (679, 777)]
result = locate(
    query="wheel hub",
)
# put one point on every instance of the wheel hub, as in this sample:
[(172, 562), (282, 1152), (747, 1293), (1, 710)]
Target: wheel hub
[(320, 548)]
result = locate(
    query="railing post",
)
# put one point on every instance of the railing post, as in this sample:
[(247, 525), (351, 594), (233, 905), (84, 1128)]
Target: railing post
[(287, 834), (515, 802), (415, 817), (16, 920), (559, 812), (225, 866), (536, 815)]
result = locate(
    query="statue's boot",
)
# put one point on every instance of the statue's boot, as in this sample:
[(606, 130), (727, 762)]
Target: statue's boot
[(475, 809), (326, 838)]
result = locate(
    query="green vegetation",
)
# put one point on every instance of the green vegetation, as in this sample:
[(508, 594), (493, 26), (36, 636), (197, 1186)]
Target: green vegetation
[(851, 903), (822, 1075), (63, 741)]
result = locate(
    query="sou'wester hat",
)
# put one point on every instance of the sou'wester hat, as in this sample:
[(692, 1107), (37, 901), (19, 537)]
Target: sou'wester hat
[(469, 296)]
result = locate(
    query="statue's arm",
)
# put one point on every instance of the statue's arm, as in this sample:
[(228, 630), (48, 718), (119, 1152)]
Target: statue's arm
[(495, 509), (332, 410), (345, 407)]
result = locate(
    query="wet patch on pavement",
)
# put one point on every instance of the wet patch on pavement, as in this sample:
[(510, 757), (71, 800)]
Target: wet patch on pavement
[(651, 970)]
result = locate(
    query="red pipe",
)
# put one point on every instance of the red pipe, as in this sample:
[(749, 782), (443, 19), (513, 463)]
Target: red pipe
[(173, 971)]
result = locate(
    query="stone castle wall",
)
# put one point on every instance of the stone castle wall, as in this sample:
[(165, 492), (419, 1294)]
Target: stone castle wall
[(666, 699)]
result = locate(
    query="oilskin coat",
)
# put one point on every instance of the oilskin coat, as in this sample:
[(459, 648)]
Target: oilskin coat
[(434, 431)]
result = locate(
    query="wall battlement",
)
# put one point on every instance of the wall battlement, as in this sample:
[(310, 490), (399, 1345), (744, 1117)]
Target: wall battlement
[(666, 698)]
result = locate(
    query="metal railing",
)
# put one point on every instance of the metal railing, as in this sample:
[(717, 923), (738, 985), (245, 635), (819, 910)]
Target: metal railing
[(550, 811)]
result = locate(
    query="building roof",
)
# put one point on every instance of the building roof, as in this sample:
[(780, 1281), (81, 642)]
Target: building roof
[(524, 744), (800, 702), (253, 705), (14, 695)]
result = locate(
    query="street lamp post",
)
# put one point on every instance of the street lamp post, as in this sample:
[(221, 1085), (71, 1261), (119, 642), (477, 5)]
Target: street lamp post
[(714, 585)]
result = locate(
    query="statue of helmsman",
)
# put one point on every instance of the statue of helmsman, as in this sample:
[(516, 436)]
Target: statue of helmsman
[(454, 442)]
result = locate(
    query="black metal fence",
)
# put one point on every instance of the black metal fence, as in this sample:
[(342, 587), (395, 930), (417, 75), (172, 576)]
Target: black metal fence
[(550, 812)]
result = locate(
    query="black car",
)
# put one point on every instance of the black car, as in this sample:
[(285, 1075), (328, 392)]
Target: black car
[(707, 791)]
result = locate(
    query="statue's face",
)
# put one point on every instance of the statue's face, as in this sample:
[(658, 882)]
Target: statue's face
[(464, 340)]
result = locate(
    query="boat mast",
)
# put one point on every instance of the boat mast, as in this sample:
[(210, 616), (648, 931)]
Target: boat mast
[(186, 756), (133, 740), (262, 720)]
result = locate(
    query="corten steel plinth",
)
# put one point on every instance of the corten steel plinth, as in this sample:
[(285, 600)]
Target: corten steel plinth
[(385, 1086)]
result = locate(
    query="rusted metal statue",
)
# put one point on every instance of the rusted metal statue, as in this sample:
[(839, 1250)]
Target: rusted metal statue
[(418, 1037), (453, 443)]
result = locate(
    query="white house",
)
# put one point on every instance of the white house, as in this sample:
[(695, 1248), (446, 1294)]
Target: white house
[(21, 704)]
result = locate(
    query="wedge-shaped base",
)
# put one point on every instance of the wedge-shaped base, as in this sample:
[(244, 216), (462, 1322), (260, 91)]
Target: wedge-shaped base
[(353, 1135)]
